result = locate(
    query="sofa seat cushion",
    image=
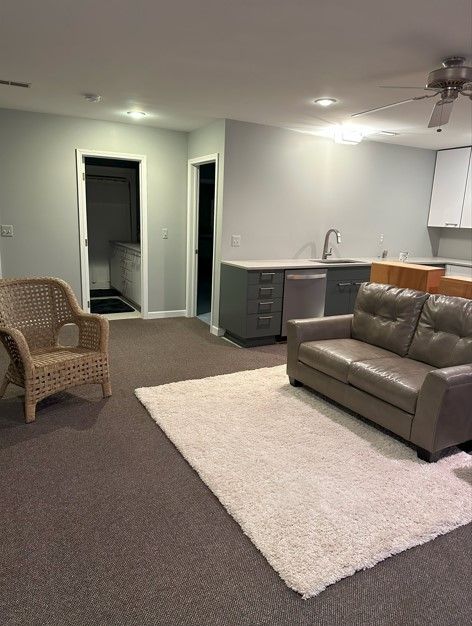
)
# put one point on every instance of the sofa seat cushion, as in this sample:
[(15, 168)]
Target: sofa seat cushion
[(395, 380), (334, 356)]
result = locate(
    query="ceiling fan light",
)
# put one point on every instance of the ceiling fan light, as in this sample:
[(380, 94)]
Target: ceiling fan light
[(347, 136)]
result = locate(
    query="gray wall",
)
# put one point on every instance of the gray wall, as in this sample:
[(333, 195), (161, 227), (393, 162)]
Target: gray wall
[(201, 142), (38, 195), (284, 189), (456, 244)]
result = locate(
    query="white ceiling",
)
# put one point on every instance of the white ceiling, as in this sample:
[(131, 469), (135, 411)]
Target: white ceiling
[(186, 62)]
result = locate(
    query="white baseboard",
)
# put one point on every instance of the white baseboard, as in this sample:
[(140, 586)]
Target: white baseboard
[(157, 315), (219, 332)]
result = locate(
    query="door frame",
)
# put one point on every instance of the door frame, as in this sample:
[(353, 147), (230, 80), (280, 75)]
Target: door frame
[(81, 154), (193, 173)]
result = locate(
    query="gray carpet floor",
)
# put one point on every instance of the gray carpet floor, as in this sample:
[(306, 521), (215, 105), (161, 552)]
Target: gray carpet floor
[(103, 522)]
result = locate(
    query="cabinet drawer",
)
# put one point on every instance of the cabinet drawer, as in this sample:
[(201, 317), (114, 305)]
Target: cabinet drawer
[(265, 278), (262, 307), (264, 292), (263, 325), (344, 274)]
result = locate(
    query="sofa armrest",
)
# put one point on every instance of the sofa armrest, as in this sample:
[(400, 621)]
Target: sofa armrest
[(443, 415), (316, 329)]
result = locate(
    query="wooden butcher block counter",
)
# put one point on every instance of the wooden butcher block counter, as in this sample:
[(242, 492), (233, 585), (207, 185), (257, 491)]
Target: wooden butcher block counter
[(421, 277)]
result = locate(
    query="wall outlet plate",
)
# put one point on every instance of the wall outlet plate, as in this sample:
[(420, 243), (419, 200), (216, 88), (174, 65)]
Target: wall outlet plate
[(6, 230), (165, 233), (235, 241)]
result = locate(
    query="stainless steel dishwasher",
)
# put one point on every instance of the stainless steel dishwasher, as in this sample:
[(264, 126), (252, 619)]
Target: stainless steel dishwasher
[(304, 295)]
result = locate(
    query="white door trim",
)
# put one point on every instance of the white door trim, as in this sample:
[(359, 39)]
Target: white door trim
[(143, 205), (192, 234)]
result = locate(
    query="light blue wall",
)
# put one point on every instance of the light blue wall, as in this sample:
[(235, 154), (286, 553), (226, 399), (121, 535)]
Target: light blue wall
[(38, 195)]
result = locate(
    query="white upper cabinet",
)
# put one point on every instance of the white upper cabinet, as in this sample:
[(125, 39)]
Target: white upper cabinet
[(466, 220), (449, 188)]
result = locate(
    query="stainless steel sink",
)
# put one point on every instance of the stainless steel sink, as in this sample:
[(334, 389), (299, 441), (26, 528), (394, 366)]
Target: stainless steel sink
[(333, 261)]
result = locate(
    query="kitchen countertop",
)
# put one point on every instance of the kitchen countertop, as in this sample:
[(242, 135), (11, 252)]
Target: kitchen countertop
[(282, 264)]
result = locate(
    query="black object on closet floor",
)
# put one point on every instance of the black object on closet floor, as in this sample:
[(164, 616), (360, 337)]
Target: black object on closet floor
[(109, 305), (104, 293)]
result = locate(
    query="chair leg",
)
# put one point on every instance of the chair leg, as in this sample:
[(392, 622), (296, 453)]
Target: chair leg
[(30, 410), (106, 388), (4, 386)]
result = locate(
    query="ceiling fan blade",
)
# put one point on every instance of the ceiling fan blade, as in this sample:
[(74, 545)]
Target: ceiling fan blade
[(402, 87), (386, 106), (441, 113), (394, 104)]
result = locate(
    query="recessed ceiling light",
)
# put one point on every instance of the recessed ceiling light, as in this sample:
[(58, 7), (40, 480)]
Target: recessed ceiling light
[(136, 115), (325, 102)]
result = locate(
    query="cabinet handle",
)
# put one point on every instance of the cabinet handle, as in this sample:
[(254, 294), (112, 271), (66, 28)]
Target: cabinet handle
[(450, 224), (344, 284), (357, 284), (266, 289), (267, 273), (267, 302), (265, 317)]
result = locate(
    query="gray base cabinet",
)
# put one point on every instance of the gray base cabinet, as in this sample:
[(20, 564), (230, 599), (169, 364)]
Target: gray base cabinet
[(251, 305), (342, 287)]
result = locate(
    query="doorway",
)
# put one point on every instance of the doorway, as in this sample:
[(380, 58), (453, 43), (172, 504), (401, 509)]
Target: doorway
[(112, 215), (205, 239), (202, 220)]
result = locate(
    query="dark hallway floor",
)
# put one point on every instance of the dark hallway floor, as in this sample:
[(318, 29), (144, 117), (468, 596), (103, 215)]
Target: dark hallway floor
[(103, 522)]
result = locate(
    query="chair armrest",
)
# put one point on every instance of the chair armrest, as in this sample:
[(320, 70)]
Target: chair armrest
[(443, 415), (17, 348), (316, 329), (93, 331)]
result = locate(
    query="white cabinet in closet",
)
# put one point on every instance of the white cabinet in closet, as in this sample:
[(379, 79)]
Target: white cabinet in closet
[(125, 270), (449, 189)]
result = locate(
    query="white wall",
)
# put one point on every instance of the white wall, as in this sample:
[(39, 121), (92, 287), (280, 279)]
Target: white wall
[(456, 244), (38, 195), (284, 189), (201, 142)]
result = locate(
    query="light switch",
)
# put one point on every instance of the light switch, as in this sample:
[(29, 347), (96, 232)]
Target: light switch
[(165, 233), (6, 230), (235, 241)]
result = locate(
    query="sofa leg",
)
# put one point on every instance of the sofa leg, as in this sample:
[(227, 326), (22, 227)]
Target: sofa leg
[(294, 382), (426, 455), (466, 446), (106, 388)]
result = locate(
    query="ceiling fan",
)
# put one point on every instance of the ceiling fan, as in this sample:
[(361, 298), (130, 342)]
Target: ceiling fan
[(454, 78)]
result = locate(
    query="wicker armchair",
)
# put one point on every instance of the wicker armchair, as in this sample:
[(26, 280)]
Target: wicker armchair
[(32, 312)]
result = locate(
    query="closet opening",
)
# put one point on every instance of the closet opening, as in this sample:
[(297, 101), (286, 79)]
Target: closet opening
[(111, 220)]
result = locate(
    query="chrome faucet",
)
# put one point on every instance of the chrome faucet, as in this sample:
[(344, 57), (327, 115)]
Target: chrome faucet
[(326, 252)]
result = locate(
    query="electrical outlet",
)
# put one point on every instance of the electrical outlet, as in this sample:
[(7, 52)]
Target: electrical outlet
[(165, 233), (235, 241), (6, 230)]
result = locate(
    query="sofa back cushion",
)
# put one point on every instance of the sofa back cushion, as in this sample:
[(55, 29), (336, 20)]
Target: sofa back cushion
[(444, 334), (387, 316)]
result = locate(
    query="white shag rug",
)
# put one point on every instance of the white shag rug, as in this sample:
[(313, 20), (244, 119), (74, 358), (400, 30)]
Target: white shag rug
[(320, 493)]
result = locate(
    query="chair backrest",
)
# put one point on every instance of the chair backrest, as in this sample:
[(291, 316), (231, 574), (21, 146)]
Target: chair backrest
[(37, 307)]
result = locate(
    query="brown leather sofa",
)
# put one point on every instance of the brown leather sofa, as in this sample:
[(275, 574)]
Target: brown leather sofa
[(402, 360)]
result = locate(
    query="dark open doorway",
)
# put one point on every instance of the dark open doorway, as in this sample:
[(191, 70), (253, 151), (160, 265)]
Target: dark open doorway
[(113, 235), (206, 221)]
